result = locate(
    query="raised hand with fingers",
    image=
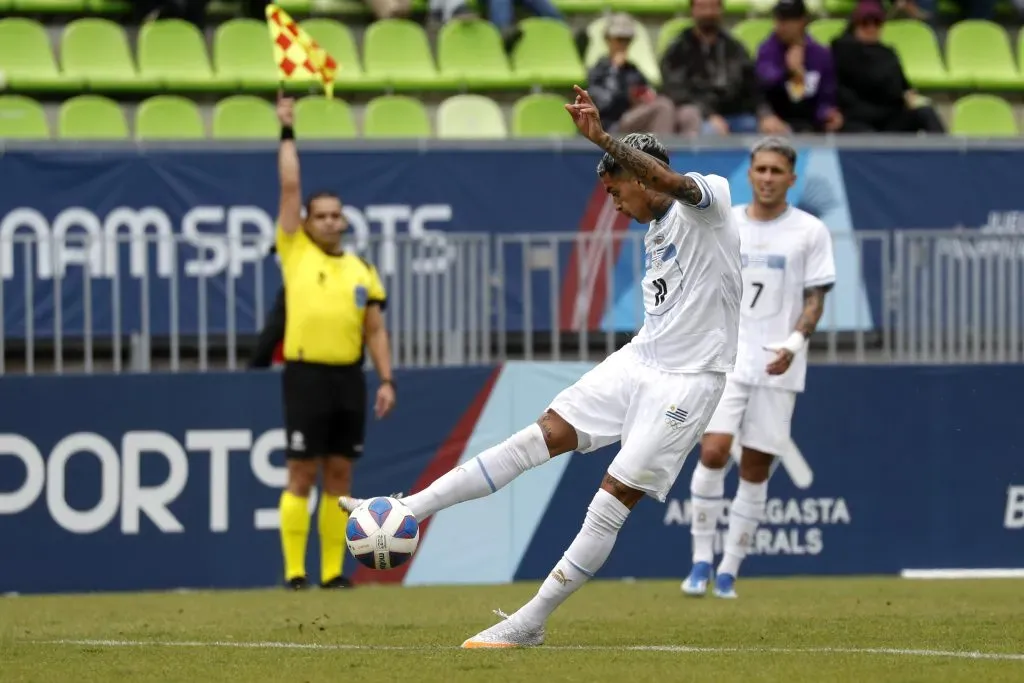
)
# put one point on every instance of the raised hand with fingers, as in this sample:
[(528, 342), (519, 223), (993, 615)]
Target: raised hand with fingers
[(585, 115)]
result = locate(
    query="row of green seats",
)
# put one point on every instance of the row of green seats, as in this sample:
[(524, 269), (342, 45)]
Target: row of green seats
[(248, 117), (358, 8), (240, 117), (172, 55)]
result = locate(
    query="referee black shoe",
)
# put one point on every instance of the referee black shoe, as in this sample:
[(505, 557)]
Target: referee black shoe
[(297, 584), (337, 582)]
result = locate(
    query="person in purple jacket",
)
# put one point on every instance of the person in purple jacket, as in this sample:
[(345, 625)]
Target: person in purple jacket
[(797, 74)]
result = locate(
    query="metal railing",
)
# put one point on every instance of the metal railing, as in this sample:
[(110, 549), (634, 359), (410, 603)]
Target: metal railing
[(138, 302)]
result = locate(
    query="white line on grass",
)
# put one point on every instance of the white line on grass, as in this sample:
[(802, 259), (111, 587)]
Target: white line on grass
[(1017, 573), (272, 645)]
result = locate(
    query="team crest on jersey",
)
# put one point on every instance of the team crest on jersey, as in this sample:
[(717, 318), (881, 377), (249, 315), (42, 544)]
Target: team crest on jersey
[(657, 257)]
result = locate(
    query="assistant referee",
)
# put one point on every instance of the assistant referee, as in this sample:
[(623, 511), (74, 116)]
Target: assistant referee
[(334, 303)]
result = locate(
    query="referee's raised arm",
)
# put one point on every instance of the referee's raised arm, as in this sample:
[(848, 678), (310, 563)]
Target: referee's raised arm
[(289, 216)]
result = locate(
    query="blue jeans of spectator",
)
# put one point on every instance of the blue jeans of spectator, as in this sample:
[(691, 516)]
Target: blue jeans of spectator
[(738, 123), (502, 13)]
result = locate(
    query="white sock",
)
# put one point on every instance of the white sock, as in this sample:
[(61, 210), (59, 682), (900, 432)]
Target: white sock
[(707, 489), (745, 514), (585, 556), (483, 475)]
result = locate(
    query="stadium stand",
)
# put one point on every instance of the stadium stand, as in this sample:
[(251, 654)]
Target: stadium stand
[(71, 70)]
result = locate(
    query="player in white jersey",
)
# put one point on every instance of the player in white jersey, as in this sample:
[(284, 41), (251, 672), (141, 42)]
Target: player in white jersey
[(788, 267), (654, 396)]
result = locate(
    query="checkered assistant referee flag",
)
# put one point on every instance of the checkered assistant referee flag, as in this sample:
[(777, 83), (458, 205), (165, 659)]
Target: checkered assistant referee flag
[(297, 55)]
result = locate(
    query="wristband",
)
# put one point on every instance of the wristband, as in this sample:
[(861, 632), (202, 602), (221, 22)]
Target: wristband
[(390, 382), (795, 343), (287, 133)]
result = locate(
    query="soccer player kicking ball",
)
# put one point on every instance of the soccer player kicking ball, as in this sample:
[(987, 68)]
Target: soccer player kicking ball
[(654, 396), (787, 269)]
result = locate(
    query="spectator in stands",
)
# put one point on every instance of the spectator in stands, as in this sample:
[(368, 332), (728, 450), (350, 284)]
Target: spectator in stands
[(443, 11), (874, 94), (796, 73), (502, 14), (710, 77), (621, 92), (390, 9)]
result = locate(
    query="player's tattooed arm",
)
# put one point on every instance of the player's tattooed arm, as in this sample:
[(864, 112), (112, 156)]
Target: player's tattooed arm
[(652, 172), (814, 306)]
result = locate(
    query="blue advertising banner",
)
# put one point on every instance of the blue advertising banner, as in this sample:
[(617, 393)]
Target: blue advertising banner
[(155, 482), (216, 200)]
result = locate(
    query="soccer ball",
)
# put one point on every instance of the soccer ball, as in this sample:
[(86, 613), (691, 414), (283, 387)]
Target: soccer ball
[(382, 533)]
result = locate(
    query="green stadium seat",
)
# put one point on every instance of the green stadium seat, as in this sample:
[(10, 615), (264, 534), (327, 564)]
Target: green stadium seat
[(49, 6), (983, 115), (244, 57), (337, 40), (244, 117), (96, 51), (22, 118), (670, 30), (979, 52), (470, 117), (918, 50), (546, 54), (26, 60), (318, 118), (395, 116), (641, 50), (91, 117), (738, 7), (173, 52), (396, 52), (168, 117), (824, 31), (108, 7), (471, 53), (752, 32), (541, 115)]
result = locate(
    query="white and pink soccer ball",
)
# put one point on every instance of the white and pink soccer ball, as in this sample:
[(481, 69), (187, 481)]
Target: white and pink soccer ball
[(382, 533)]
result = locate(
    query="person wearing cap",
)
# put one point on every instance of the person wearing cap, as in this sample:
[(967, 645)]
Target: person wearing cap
[(874, 93), (706, 68), (622, 93), (796, 73)]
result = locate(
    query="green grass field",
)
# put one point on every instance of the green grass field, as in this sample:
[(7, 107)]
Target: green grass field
[(863, 630)]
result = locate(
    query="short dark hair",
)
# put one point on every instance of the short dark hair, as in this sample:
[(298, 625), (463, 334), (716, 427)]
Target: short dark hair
[(644, 142), (320, 194), (778, 145)]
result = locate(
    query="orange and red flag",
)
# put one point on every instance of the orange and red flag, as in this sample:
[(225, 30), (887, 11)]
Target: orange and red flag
[(297, 55)]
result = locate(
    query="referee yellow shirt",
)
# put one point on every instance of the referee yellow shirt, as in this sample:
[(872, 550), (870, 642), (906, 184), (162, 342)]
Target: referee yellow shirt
[(325, 300)]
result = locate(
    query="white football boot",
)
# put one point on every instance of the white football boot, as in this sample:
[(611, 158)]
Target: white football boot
[(506, 633), (348, 503)]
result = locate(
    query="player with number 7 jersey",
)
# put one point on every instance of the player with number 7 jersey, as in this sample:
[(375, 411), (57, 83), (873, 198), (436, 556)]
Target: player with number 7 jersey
[(788, 267)]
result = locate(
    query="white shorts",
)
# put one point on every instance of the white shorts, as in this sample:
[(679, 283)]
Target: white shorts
[(658, 416), (761, 417)]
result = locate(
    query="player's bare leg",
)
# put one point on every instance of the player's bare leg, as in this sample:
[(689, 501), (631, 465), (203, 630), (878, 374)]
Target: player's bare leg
[(745, 513), (493, 469), (707, 490), (584, 557)]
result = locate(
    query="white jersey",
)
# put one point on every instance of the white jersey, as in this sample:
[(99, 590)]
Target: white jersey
[(692, 285), (781, 258)]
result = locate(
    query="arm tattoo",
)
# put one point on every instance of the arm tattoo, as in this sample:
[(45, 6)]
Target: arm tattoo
[(814, 306), (653, 173)]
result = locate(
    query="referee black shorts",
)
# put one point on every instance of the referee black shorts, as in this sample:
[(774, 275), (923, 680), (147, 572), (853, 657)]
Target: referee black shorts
[(324, 409)]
